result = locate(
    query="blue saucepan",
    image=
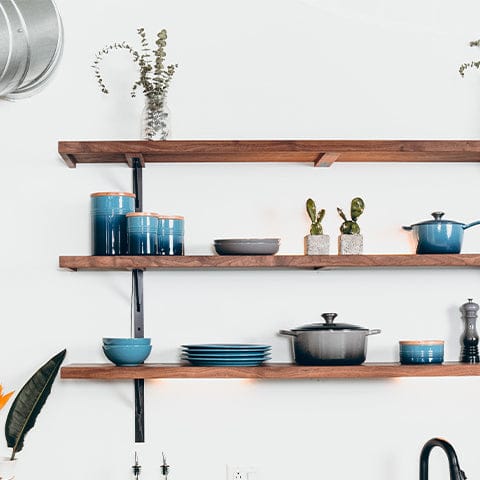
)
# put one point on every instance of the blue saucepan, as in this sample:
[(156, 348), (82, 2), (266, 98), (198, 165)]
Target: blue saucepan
[(439, 236)]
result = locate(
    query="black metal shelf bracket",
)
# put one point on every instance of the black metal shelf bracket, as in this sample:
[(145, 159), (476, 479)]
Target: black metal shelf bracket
[(137, 307)]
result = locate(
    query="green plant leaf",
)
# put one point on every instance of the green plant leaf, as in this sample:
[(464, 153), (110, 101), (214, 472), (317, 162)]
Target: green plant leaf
[(340, 212), (355, 228), (29, 402), (357, 208), (311, 210), (320, 215)]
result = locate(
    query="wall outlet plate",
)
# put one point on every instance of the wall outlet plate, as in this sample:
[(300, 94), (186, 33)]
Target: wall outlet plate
[(236, 472)]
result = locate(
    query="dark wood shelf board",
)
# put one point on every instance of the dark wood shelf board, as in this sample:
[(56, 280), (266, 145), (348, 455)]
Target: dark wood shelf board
[(317, 152), (268, 371), (266, 261)]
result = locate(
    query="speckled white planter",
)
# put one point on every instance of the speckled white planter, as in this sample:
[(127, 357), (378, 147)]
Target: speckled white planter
[(350, 244), (317, 244)]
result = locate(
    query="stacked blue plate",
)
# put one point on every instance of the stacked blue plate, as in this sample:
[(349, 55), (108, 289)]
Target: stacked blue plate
[(227, 354)]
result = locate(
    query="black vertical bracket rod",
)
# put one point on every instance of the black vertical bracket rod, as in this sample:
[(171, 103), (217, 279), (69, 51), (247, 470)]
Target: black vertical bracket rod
[(137, 307)]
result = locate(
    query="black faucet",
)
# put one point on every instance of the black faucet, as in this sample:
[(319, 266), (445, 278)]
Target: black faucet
[(456, 473)]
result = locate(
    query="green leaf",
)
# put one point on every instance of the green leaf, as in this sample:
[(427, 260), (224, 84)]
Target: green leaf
[(346, 227), (320, 215), (355, 228), (29, 402), (340, 212), (311, 210), (357, 208)]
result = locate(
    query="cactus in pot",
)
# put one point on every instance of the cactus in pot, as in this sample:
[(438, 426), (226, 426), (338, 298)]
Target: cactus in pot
[(351, 241), (316, 243)]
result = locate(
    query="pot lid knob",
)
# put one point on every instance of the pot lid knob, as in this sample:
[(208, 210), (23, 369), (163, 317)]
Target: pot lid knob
[(329, 317), (438, 215)]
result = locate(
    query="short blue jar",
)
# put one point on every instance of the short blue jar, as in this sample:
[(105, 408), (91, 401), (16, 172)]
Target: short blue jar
[(413, 352), (142, 233), (108, 212), (171, 232)]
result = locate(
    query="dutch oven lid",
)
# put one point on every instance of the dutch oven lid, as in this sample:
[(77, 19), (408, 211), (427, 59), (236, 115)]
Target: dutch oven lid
[(328, 325), (437, 219)]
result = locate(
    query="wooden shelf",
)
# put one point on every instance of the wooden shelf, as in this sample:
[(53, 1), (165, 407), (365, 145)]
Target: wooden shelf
[(319, 152), (266, 261), (269, 371)]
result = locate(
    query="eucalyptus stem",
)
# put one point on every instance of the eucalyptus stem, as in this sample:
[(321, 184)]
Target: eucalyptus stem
[(154, 78), (473, 64)]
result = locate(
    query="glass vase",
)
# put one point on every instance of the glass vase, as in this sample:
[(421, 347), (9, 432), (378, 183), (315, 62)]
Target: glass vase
[(155, 118)]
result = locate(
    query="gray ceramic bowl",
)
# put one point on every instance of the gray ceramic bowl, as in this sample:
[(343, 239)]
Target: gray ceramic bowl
[(247, 247)]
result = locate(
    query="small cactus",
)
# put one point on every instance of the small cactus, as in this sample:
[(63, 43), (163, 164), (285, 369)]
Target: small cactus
[(351, 227), (316, 227)]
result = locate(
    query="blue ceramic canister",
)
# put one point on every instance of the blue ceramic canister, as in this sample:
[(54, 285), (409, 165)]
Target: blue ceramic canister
[(108, 212), (170, 235), (142, 233), (421, 351)]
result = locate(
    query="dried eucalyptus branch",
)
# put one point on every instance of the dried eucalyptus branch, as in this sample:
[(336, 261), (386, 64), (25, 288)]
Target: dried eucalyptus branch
[(466, 66), (105, 51), (154, 78)]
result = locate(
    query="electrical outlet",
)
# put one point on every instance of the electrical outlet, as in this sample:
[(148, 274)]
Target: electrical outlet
[(241, 473)]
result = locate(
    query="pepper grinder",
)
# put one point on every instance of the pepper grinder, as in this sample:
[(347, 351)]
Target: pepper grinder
[(470, 335)]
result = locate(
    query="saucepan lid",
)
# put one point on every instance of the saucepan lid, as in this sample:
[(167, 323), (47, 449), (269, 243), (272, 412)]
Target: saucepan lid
[(328, 325)]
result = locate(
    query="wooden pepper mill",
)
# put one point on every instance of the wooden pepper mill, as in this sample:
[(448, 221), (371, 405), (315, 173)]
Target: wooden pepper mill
[(470, 335)]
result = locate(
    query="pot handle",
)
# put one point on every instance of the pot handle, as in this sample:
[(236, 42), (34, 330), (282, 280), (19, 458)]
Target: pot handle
[(287, 332), (468, 225), (409, 228), (375, 331)]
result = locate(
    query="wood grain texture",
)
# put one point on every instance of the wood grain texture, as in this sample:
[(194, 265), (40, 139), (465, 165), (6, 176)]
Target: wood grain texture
[(304, 151), (269, 371), (266, 261)]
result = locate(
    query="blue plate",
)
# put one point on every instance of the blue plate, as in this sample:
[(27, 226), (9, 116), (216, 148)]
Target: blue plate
[(226, 353), (226, 359), (238, 356), (227, 346)]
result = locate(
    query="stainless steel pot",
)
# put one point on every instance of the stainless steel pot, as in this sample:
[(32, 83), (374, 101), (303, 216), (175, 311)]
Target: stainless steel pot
[(329, 343), (31, 44)]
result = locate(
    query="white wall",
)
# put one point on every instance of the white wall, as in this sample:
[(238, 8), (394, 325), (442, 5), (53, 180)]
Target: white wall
[(248, 69)]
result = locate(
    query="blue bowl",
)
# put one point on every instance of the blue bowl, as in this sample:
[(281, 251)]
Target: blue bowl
[(421, 352), (127, 355), (126, 341)]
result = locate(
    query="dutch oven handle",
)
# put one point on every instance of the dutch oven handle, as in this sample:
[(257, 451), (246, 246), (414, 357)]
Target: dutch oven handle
[(287, 332), (376, 331), (408, 228), (468, 225)]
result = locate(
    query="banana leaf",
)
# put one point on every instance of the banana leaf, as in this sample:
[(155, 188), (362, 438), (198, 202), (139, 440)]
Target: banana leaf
[(29, 402)]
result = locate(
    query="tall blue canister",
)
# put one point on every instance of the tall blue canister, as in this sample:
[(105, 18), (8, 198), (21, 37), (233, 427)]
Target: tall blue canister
[(142, 233), (109, 222), (171, 231)]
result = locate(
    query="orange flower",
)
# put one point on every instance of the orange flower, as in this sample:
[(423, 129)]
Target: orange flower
[(4, 398)]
